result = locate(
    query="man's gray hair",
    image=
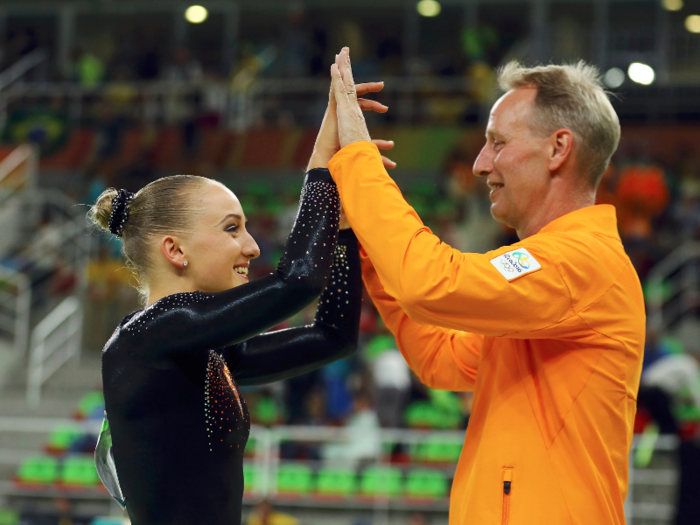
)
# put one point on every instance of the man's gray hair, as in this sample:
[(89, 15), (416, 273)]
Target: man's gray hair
[(571, 96)]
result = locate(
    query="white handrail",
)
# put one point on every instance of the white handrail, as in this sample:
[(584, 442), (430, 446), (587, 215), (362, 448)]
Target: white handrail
[(54, 341), (679, 259), (22, 67)]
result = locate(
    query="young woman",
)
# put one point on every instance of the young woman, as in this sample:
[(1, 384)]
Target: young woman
[(172, 452)]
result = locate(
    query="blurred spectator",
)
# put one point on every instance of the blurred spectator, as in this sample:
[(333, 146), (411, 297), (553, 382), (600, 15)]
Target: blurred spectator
[(361, 435), (108, 297), (392, 380), (89, 71), (671, 378), (642, 194), (265, 514), (183, 67)]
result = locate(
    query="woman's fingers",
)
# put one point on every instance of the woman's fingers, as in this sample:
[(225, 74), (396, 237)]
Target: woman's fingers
[(383, 144), (338, 86), (372, 105), (388, 163)]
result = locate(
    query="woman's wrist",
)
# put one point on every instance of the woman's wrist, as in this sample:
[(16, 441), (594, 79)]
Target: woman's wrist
[(317, 161)]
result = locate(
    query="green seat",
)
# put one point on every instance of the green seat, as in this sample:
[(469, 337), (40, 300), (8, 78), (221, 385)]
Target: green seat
[(266, 411), (8, 517), (79, 471), (423, 483), (63, 436), (336, 481), (381, 481), (89, 403), (294, 479), (251, 478), (420, 414), (437, 450), (41, 470)]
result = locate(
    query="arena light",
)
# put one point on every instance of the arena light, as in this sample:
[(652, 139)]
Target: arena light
[(672, 5), (614, 77), (428, 8), (641, 73), (692, 23), (196, 14)]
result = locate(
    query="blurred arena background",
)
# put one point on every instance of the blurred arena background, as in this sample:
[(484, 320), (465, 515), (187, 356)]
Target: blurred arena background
[(100, 93)]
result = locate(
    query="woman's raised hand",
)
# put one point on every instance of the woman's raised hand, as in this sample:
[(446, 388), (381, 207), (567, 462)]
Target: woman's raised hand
[(328, 142)]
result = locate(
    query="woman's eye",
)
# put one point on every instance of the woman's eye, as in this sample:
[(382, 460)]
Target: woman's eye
[(232, 229)]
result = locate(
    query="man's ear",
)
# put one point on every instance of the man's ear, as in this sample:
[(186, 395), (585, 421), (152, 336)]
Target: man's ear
[(171, 249), (562, 148)]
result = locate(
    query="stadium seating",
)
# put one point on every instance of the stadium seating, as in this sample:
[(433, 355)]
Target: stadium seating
[(425, 483), (294, 479), (38, 470), (62, 437), (79, 471), (336, 482), (381, 481), (251, 478)]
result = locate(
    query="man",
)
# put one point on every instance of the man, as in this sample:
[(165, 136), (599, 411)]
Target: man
[(548, 332)]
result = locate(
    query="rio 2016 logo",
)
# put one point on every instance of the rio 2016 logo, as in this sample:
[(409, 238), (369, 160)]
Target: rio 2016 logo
[(522, 259)]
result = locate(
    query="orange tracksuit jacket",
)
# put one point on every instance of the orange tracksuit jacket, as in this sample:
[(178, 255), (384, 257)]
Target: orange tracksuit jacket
[(548, 332)]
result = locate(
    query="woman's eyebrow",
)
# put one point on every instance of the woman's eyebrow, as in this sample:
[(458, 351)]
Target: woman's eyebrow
[(234, 215)]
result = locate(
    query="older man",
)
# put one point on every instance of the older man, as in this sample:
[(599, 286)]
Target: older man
[(548, 332)]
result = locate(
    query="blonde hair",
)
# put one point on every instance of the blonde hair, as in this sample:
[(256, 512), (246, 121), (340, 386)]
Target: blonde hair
[(164, 206), (571, 96)]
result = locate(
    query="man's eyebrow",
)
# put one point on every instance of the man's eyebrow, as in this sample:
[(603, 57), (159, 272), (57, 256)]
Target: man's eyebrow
[(234, 215)]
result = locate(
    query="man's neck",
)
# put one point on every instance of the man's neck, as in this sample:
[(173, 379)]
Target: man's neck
[(552, 209)]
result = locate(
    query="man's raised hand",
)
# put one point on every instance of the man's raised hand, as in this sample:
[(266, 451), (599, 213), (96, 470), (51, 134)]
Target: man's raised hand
[(327, 141)]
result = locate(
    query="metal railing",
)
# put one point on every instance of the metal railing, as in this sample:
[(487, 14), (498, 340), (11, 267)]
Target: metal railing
[(266, 461), (54, 341), (15, 308), (673, 287)]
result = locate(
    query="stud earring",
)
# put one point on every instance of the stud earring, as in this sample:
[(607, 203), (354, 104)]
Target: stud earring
[(185, 263)]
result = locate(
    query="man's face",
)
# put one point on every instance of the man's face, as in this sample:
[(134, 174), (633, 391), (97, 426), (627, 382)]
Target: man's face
[(514, 160)]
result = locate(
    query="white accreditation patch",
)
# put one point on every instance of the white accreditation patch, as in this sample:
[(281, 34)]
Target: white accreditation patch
[(516, 263)]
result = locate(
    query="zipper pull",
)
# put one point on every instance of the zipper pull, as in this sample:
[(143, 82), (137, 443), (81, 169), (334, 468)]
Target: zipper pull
[(506, 487)]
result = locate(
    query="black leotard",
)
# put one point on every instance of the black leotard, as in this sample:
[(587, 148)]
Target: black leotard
[(178, 421)]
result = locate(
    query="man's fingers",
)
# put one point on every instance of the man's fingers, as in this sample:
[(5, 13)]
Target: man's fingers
[(346, 71), (372, 105), (369, 87), (383, 144), (388, 163)]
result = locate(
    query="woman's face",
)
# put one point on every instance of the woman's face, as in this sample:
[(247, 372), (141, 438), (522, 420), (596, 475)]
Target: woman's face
[(220, 249)]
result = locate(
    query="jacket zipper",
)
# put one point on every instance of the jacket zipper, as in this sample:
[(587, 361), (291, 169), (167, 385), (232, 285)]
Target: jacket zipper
[(507, 486)]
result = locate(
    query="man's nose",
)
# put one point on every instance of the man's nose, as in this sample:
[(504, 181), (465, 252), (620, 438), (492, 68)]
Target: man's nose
[(250, 247), (483, 165)]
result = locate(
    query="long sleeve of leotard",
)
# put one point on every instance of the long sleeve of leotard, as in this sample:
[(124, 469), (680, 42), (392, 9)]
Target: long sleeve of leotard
[(189, 321), (333, 335)]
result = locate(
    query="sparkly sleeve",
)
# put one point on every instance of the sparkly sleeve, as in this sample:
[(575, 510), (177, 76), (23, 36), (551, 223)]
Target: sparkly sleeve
[(197, 321), (287, 353)]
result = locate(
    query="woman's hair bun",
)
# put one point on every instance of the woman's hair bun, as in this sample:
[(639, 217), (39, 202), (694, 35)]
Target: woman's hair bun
[(102, 209)]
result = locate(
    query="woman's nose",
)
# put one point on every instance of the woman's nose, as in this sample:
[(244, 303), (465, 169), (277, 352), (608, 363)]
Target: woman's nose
[(251, 248)]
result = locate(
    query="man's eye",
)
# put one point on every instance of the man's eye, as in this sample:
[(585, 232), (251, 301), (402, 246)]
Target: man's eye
[(497, 144), (232, 229)]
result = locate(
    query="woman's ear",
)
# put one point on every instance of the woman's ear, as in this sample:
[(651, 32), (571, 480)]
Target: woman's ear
[(562, 147), (171, 249)]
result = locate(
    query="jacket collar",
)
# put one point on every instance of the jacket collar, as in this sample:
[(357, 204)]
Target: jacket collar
[(600, 218)]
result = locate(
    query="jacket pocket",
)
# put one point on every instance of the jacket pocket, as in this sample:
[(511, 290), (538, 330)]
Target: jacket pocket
[(507, 489)]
